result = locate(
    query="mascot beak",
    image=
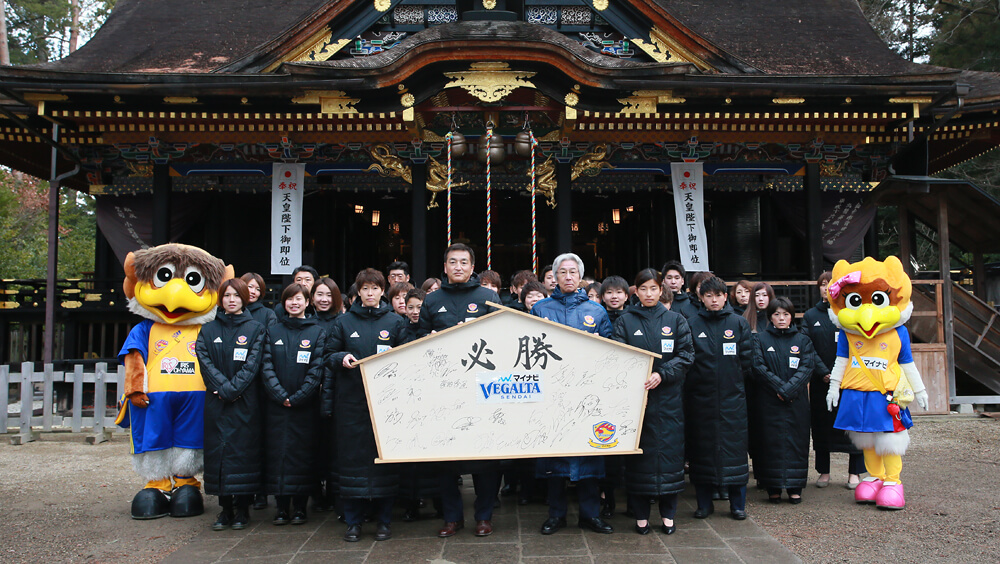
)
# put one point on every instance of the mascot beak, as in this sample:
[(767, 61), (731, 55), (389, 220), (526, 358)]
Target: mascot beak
[(869, 319), (175, 301)]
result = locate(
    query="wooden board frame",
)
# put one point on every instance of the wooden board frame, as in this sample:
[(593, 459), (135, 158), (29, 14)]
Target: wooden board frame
[(499, 310)]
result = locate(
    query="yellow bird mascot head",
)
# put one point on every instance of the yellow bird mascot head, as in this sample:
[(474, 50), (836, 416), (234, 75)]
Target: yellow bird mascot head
[(175, 289)]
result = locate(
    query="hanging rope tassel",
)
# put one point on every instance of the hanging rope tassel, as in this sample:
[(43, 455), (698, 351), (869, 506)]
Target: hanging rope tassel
[(448, 205), (534, 227), (489, 202)]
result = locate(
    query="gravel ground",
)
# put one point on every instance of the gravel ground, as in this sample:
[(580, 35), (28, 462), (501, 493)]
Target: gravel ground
[(66, 501)]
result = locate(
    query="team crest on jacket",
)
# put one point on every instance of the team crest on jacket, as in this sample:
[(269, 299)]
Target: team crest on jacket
[(795, 349), (305, 344), (604, 432), (241, 340), (883, 345), (473, 308), (667, 331), (858, 345), (383, 335), (588, 320), (191, 350), (160, 345), (728, 334)]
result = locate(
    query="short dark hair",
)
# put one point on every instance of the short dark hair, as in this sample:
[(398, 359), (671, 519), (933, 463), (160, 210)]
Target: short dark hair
[(712, 284), (369, 276), (614, 282), (595, 287), (646, 275), (398, 265), (426, 286), (398, 288), (240, 286), (352, 291), (545, 269), (698, 278), (824, 278), (490, 276), (522, 277), (675, 265), (306, 268), (292, 289), (783, 303), (460, 247), (416, 293), (258, 278), (533, 286), (338, 300)]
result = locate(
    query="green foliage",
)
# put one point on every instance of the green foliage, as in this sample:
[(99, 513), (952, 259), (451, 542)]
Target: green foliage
[(905, 25), (968, 35), (39, 30), (24, 228)]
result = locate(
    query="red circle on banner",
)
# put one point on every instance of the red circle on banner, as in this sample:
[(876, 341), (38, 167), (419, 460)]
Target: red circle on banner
[(687, 174), (288, 174)]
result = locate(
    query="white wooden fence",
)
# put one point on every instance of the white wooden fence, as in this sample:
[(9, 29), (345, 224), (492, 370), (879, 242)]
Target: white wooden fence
[(101, 423)]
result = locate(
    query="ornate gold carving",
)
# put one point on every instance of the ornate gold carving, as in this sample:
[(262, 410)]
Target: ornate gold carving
[(330, 101), (789, 100), (600, 5), (545, 181), (645, 101), (572, 99), (319, 47), (389, 165), (664, 49), (489, 82), (551, 136), (591, 163), (407, 100), (911, 100), (180, 100), (45, 97), (437, 180), (382, 5), (489, 4), (832, 169), (432, 137), (141, 170)]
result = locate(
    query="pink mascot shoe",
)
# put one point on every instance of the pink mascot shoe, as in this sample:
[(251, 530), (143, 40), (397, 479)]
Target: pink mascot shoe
[(890, 496), (868, 490)]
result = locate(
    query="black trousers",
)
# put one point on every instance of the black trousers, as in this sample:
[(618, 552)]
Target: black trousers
[(855, 462), (487, 485), (587, 490), (298, 502), (737, 496), (381, 507), (640, 505)]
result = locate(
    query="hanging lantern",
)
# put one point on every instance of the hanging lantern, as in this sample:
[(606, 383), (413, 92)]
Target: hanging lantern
[(522, 144), (493, 146), (458, 145)]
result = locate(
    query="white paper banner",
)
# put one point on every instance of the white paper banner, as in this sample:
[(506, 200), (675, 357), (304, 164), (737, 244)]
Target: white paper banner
[(689, 205), (287, 186)]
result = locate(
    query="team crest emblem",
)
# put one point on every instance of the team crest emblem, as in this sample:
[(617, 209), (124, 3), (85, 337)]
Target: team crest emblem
[(305, 344), (795, 350), (383, 335), (160, 345), (728, 334), (858, 345), (473, 308), (883, 346), (191, 348), (588, 320), (667, 331), (604, 432), (241, 340)]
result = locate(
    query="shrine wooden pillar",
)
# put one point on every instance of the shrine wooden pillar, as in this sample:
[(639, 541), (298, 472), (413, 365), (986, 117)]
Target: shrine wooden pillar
[(162, 185), (944, 259), (48, 336), (907, 232), (418, 215), (978, 275), (871, 238), (814, 221), (564, 210)]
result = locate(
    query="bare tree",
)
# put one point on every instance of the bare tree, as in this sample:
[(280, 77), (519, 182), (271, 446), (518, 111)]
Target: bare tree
[(4, 50), (74, 26)]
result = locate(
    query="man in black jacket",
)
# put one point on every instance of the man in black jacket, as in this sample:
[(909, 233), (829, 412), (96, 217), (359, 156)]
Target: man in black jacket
[(462, 299), (675, 278)]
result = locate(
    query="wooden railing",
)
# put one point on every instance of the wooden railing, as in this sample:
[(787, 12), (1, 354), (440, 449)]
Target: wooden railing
[(100, 422)]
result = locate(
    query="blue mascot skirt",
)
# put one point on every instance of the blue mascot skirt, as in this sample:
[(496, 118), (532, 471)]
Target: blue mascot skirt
[(866, 412), (173, 419)]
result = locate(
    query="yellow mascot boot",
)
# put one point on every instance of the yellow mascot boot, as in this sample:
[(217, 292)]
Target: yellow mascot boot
[(867, 490)]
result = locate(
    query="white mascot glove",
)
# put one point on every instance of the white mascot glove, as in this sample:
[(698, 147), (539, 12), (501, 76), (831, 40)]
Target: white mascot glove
[(836, 377), (917, 383)]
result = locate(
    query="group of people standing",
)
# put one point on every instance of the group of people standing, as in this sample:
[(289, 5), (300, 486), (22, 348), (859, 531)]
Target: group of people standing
[(734, 377)]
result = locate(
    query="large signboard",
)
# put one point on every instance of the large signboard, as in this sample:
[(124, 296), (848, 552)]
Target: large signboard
[(506, 385)]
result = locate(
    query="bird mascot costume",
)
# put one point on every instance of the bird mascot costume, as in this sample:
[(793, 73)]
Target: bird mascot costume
[(175, 288), (874, 377)]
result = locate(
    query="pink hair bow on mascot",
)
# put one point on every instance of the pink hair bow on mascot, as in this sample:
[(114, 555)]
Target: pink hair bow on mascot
[(874, 377)]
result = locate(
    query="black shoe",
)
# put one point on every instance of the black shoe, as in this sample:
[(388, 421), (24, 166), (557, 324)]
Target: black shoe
[(553, 524), (241, 520), (280, 518), (703, 512), (411, 515), (597, 525), (383, 532), (260, 501), (341, 519), (186, 501), (738, 514), (496, 503), (795, 500), (223, 521), (724, 494), (523, 501), (669, 530), (776, 499), (299, 518), (506, 490), (150, 503), (642, 530), (353, 533), (716, 495)]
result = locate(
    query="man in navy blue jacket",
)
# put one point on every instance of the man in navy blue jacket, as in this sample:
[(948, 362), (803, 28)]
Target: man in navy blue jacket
[(570, 306)]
